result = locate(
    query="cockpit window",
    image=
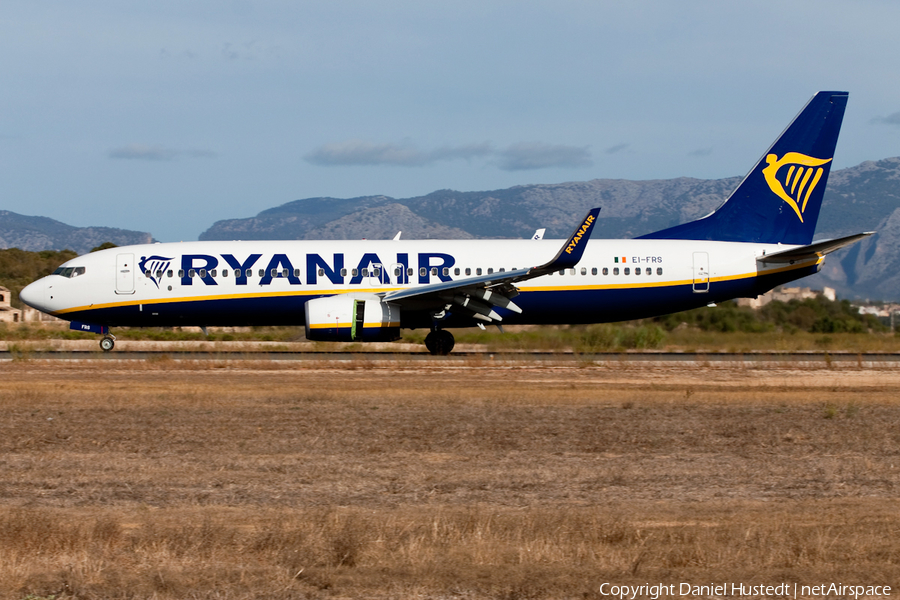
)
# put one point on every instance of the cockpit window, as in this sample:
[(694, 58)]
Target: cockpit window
[(69, 271)]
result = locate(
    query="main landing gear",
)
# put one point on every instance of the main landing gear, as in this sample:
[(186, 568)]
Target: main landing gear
[(439, 342), (108, 342)]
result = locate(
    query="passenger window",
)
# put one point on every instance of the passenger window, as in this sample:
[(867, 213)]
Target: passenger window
[(423, 271), (321, 272), (649, 271), (296, 272), (203, 273), (627, 271), (343, 272), (396, 272), (637, 270), (456, 271), (354, 272), (594, 271), (376, 272), (468, 270), (213, 272), (615, 270), (606, 270), (502, 270), (571, 271), (159, 274), (563, 272), (490, 270), (659, 270), (191, 272), (285, 273), (478, 270), (169, 273), (365, 272), (583, 271), (181, 272), (262, 272), (434, 270), (224, 272), (446, 271), (409, 271), (249, 273)]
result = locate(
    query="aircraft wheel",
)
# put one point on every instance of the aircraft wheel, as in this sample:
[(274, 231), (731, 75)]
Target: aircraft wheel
[(440, 342), (107, 344)]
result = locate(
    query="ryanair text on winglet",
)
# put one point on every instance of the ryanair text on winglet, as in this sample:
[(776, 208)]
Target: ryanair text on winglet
[(577, 237)]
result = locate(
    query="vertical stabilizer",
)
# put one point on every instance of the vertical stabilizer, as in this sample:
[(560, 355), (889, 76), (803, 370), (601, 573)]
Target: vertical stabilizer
[(779, 200)]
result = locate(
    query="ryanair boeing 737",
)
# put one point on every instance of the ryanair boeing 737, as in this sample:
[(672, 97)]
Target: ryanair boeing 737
[(761, 237)]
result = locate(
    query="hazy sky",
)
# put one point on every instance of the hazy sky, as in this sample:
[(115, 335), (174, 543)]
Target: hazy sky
[(166, 116)]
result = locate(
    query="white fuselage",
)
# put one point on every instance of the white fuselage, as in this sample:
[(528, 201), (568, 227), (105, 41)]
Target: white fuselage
[(267, 282)]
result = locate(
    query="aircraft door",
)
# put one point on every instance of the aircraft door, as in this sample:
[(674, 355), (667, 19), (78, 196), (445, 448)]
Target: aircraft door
[(125, 273), (701, 272)]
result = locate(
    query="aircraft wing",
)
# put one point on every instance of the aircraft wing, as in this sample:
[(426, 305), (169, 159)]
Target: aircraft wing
[(816, 250), (479, 296)]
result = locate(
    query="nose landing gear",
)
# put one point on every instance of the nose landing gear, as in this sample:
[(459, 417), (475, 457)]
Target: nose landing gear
[(108, 342)]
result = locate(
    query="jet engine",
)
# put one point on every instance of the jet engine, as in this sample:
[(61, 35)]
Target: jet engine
[(352, 318)]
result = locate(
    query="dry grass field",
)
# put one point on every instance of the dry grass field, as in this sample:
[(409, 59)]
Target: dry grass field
[(435, 479)]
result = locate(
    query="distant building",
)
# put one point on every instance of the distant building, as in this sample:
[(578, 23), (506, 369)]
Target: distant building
[(786, 294), (8, 314), (888, 314)]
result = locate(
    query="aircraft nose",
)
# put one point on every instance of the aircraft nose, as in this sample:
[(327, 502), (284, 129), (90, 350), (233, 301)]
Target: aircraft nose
[(34, 294)]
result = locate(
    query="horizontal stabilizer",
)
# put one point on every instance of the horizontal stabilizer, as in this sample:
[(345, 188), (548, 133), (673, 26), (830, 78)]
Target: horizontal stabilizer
[(817, 250)]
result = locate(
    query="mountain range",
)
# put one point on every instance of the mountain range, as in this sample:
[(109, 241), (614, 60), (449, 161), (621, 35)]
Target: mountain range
[(42, 233), (861, 198)]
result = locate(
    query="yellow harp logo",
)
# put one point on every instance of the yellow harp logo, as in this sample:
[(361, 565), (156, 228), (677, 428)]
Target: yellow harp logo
[(796, 183)]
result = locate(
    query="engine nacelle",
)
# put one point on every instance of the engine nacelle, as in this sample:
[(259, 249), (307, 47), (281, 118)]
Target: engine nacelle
[(352, 318)]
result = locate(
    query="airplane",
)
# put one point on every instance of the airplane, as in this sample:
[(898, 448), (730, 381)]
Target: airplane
[(368, 290)]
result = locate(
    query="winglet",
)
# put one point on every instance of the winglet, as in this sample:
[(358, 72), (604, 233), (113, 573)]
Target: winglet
[(571, 252)]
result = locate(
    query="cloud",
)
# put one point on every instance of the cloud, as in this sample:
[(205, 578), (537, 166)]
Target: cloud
[(526, 156), (616, 148), (362, 153), (893, 119), (252, 50), (517, 157), (701, 152), (156, 153)]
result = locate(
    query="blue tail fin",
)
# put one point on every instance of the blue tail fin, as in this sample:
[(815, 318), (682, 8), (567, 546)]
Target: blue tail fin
[(779, 200)]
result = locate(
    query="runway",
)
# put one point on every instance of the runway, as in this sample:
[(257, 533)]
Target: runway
[(67, 350)]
